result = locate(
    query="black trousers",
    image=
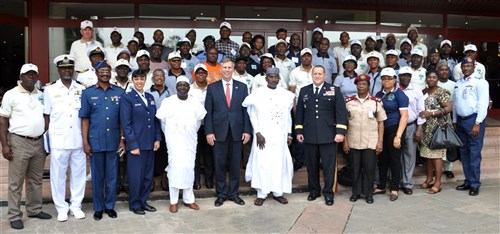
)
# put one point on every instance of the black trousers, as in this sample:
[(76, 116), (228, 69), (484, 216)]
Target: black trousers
[(227, 154), (390, 157), (363, 164), (327, 153), (204, 154), (161, 157)]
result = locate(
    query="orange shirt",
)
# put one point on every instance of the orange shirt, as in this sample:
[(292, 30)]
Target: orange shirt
[(214, 73)]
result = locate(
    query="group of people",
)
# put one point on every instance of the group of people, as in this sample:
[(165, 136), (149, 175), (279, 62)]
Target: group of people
[(182, 110)]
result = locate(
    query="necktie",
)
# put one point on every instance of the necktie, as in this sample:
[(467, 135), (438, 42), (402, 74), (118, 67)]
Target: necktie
[(228, 95), (317, 91)]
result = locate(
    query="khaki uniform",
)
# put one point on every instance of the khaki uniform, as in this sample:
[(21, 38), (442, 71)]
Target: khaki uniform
[(363, 117)]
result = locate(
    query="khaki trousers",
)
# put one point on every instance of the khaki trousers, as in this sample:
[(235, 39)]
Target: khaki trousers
[(28, 162)]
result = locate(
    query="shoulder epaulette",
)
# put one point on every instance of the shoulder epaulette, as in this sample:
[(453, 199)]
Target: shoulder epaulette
[(377, 99), (78, 82), (348, 99), (83, 71)]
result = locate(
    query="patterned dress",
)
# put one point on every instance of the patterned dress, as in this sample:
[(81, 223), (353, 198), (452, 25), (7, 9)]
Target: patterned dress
[(433, 103)]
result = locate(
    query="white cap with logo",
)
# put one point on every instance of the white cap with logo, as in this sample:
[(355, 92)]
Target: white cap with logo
[(28, 67), (86, 24)]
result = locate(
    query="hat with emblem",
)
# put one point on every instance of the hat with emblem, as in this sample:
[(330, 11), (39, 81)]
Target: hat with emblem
[(225, 24), (273, 71), (388, 71), (281, 41), (305, 51), (174, 55), (470, 47), (362, 77), (64, 60), (406, 40), (102, 64), (141, 53), (95, 49), (122, 62), (417, 52), (350, 58), (405, 70), (28, 67), (267, 55), (468, 60), (392, 52), (372, 55), (433, 50), (200, 65), (115, 29), (444, 42), (133, 39), (245, 44), (86, 24)]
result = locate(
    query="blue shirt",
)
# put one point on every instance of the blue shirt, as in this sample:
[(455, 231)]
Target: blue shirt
[(328, 62), (394, 101), (346, 85), (295, 57), (159, 97), (375, 81), (171, 80), (102, 109), (202, 57), (471, 96)]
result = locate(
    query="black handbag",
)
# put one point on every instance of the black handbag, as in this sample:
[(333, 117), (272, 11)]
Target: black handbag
[(452, 154), (444, 137)]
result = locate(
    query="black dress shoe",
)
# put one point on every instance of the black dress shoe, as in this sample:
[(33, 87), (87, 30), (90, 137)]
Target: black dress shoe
[(137, 211), (17, 224), (209, 186), (312, 197), (408, 191), (238, 200), (474, 191), (41, 215), (354, 198), (329, 201), (98, 215), (149, 208), (296, 167), (463, 187), (111, 213), (369, 200), (196, 186), (219, 201)]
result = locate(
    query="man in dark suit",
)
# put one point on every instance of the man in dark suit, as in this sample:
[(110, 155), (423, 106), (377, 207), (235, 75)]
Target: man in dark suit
[(142, 136), (227, 126), (321, 123)]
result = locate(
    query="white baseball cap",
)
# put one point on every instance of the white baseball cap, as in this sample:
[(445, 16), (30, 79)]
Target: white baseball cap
[(174, 54), (86, 24), (28, 67), (356, 42), (133, 39), (405, 70), (182, 78), (318, 29), (392, 52), (444, 42), (225, 24), (185, 39), (200, 65), (372, 55), (280, 41), (371, 37), (305, 51), (417, 52), (350, 58), (115, 29), (406, 40), (470, 47), (388, 71), (122, 62), (245, 44), (141, 53), (267, 55), (411, 28)]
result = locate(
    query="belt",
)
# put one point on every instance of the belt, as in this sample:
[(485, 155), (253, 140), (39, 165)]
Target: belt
[(408, 124), (29, 138), (466, 117)]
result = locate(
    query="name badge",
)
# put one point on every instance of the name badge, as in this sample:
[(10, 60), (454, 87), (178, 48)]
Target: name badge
[(295, 59), (253, 66), (183, 65), (137, 104), (233, 51)]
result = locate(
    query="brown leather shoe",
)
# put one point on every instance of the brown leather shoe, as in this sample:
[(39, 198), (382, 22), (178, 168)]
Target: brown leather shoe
[(193, 206), (173, 208)]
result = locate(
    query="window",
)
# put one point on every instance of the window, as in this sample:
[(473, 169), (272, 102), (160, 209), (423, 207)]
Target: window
[(257, 13), (13, 7), (328, 16), (64, 10), (414, 19), (473, 22), (180, 12)]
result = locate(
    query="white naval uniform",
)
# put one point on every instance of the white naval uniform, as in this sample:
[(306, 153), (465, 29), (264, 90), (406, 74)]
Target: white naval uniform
[(65, 142), (87, 78)]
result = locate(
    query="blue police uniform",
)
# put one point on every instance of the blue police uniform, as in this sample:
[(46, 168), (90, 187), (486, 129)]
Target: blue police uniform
[(140, 129), (470, 106), (319, 118), (102, 107)]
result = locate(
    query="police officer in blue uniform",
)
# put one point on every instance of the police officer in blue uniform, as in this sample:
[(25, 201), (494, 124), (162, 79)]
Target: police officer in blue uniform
[(101, 138), (470, 104), (321, 123), (142, 136)]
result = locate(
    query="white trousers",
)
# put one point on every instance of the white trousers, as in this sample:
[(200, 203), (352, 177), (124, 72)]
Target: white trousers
[(187, 195), (59, 162), (262, 195)]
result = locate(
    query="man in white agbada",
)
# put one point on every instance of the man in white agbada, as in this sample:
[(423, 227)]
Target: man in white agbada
[(270, 166), (181, 118)]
